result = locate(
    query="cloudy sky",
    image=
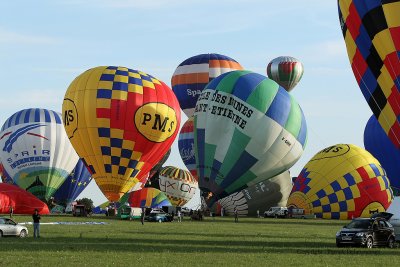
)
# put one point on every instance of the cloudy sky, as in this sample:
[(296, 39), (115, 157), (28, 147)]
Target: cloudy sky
[(45, 44)]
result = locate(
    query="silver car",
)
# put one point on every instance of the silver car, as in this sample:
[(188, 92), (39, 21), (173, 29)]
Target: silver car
[(10, 228)]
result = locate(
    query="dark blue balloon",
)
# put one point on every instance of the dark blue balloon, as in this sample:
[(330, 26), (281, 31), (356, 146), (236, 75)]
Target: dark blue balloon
[(379, 145), (74, 184)]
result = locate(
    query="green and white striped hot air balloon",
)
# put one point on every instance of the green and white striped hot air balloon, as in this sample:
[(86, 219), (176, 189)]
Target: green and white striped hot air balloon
[(246, 129)]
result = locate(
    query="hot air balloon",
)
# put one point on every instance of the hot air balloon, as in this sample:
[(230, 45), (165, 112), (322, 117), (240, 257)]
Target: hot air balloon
[(341, 182), (5, 177), (372, 36), (22, 201), (186, 146), (158, 166), (73, 185), (286, 71), (261, 196), (193, 74), (378, 144), (179, 185), (36, 152), (246, 128), (147, 197), (121, 122)]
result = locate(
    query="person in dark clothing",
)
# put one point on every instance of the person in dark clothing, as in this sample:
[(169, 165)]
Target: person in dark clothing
[(36, 224), (142, 216), (11, 211), (235, 212)]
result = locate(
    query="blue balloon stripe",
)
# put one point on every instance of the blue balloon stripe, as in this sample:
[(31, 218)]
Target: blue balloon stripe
[(249, 81), (280, 107)]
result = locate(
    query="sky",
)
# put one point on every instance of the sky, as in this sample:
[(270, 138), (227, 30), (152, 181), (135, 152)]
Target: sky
[(45, 44)]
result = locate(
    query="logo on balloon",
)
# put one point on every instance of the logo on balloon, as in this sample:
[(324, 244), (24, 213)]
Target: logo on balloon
[(156, 121), (331, 152), (70, 117)]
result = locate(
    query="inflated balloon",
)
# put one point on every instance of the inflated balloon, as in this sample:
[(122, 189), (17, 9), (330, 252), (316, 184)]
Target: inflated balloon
[(36, 152), (259, 197), (121, 122), (158, 166), (341, 182), (73, 185), (371, 30), (5, 177), (379, 145), (22, 201), (179, 185), (286, 71), (193, 74), (186, 146), (247, 129), (147, 197)]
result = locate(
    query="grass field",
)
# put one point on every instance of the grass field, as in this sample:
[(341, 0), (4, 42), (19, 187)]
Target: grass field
[(221, 242)]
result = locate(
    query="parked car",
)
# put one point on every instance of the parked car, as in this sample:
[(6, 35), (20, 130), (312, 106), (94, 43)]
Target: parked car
[(367, 232), (10, 228), (277, 212), (392, 220), (158, 217)]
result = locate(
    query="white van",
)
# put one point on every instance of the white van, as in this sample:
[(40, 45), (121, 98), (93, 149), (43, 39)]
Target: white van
[(276, 212)]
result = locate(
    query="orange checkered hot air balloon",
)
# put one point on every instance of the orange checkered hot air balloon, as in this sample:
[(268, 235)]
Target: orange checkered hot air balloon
[(120, 121)]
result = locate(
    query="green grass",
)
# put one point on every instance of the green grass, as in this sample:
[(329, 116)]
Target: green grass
[(251, 242)]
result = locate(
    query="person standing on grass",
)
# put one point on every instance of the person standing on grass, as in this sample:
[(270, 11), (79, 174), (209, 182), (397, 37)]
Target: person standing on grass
[(11, 211), (36, 224), (142, 216), (235, 212), (179, 216)]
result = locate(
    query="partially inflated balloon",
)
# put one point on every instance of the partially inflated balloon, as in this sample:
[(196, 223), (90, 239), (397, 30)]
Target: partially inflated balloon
[(261, 196), (73, 185), (186, 147), (286, 71), (193, 74), (121, 122), (246, 128), (371, 30), (341, 182), (379, 145), (22, 201), (147, 197), (36, 152), (179, 185)]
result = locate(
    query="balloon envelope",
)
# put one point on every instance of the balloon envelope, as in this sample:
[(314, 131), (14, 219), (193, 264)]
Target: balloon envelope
[(379, 145), (261, 196), (148, 197), (193, 74), (286, 71), (36, 152), (341, 182), (186, 147), (5, 177), (121, 122), (22, 201), (179, 185), (74, 184), (371, 30), (246, 128)]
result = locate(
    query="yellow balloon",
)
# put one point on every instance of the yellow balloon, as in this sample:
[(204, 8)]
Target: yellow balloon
[(341, 182)]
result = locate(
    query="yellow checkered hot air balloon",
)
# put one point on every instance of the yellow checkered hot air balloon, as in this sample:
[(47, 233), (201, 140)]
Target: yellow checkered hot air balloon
[(341, 182), (121, 122)]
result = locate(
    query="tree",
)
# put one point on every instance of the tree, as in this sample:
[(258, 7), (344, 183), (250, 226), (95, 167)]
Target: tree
[(87, 202)]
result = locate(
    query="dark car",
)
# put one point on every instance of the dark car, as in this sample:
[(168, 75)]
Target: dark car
[(158, 217), (367, 232)]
